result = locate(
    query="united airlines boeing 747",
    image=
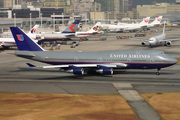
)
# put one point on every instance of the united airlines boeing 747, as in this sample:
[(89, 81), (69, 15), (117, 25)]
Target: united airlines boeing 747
[(80, 63)]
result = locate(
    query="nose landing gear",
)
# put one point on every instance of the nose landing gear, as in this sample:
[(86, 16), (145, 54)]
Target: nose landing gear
[(150, 46)]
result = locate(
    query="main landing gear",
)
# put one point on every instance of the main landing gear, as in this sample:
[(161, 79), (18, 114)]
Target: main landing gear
[(158, 73)]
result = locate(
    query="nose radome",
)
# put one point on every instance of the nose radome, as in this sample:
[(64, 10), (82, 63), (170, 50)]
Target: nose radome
[(173, 60)]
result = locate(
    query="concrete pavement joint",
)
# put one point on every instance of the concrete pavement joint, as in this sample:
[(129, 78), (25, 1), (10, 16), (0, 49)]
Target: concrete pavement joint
[(141, 108)]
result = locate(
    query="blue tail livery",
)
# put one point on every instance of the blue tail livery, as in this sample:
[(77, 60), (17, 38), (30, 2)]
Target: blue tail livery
[(72, 28), (24, 43)]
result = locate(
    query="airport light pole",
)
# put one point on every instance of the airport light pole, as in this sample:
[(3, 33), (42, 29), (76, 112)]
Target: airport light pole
[(108, 16), (30, 20), (54, 21), (73, 16), (62, 19), (94, 17), (86, 17), (102, 16), (14, 19)]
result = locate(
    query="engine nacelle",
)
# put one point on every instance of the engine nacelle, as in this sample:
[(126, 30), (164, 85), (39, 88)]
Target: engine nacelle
[(75, 70), (104, 70), (168, 43), (143, 43)]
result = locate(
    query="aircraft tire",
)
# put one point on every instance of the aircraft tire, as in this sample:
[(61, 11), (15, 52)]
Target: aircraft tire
[(158, 73)]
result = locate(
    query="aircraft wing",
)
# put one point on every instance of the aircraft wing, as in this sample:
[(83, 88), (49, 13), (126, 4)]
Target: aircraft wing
[(170, 40), (114, 65), (144, 26), (139, 39)]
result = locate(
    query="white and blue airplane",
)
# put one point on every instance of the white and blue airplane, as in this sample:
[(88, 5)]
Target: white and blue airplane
[(69, 31), (80, 63), (10, 42)]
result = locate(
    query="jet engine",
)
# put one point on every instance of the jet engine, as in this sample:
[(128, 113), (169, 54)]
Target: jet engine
[(143, 43), (75, 70), (168, 43), (104, 70)]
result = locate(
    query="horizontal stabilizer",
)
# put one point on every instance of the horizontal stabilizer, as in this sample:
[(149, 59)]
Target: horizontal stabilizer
[(24, 53), (30, 65)]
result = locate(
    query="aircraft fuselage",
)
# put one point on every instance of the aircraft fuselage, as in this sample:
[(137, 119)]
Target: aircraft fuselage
[(157, 39), (133, 59)]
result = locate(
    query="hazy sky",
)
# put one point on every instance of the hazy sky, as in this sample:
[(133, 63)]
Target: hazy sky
[(148, 2)]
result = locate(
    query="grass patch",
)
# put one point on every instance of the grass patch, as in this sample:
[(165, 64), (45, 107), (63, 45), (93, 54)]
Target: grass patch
[(26, 106), (166, 104), (178, 61)]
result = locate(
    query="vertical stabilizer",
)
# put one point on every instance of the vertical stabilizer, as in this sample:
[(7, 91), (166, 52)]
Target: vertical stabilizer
[(33, 30), (164, 28), (157, 20), (145, 21), (23, 42), (95, 28), (72, 28)]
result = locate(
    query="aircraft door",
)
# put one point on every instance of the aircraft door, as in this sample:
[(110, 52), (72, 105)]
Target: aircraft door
[(128, 60), (99, 59), (152, 60), (76, 59)]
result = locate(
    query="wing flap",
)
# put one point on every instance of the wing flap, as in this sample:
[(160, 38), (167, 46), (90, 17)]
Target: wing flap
[(114, 65)]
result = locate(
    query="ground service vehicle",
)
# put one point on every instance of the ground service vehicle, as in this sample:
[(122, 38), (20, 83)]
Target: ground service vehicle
[(123, 36), (140, 35)]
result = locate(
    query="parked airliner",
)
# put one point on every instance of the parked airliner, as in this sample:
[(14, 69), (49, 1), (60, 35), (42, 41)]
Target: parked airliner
[(71, 33), (10, 42), (124, 27), (70, 30), (92, 31), (80, 63), (156, 22), (157, 40)]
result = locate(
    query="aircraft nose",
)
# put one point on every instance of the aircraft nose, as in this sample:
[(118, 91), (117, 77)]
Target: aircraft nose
[(173, 60), (169, 59), (151, 41)]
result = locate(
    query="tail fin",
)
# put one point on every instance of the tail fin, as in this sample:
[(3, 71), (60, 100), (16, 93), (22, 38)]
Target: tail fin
[(157, 20), (33, 30), (72, 28), (145, 21), (95, 28), (164, 28), (23, 42)]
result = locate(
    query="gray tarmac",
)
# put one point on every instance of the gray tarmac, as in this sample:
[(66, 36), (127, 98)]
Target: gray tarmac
[(16, 76)]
